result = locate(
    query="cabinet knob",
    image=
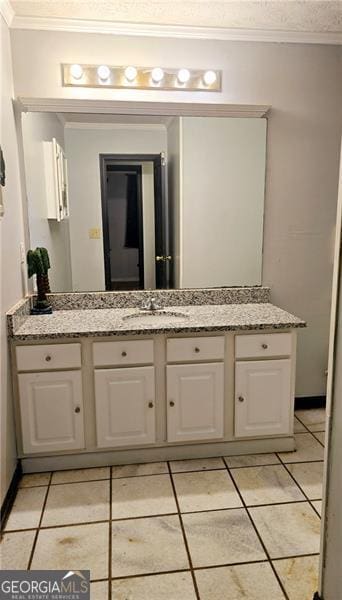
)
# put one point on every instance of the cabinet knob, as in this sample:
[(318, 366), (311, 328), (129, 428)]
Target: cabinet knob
[(77, 409), (124, 353), (197, 349), (48, 358), (171, 403), (264, 346), (241, 399), (150, 405)]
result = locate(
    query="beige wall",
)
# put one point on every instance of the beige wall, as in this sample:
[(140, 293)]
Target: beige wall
[(53, 235), (11, 235), (304, 86)]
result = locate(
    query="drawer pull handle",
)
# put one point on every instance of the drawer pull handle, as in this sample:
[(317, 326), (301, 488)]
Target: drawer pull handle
[(171, 403), (150, 405), (48, 358), (124, 353), (77, 409), (197, 349), (241, 399), (264, 346)]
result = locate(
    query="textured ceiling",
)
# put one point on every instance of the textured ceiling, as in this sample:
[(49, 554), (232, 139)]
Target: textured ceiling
[(283, 15)]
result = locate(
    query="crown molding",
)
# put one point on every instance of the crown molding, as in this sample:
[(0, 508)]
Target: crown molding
[(7, 12), (118, 126), (174, 31), (180, 109)]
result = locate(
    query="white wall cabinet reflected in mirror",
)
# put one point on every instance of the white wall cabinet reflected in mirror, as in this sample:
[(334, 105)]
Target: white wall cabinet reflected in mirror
[(151, 201)]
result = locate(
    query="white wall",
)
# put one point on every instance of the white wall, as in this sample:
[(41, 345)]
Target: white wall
[(83, 147), (304, 86), (11, 235), (36, 128), (222, 207)]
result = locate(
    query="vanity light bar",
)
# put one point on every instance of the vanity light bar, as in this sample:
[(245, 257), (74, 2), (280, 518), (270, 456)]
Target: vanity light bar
[(131, 76)]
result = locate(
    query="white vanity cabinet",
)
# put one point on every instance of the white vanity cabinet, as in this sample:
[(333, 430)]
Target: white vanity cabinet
[(195, 398), (263, 388), (125, 406), (51, 402), (124, 397)]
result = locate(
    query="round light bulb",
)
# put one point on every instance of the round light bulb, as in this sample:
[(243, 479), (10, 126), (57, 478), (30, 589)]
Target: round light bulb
[(183, 75), (157, 74), (76, 71), (209, 77), (130, 73), (103, 72)]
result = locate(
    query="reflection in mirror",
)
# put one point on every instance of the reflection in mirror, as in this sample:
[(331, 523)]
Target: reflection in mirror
[(136, 202)]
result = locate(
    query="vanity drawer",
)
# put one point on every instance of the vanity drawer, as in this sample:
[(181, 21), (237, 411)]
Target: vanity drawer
[(263, 345), (123, 353), (195, 349), (48, 357)]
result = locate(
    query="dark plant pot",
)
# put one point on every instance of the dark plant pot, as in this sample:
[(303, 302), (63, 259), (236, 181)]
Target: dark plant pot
[(47, 310)]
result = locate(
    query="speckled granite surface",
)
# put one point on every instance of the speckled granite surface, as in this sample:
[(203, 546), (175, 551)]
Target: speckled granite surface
[(233, 295), (18, 315), (87, 322)]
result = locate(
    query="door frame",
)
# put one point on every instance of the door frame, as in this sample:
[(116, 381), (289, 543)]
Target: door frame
[(105, 161), (159, 198)]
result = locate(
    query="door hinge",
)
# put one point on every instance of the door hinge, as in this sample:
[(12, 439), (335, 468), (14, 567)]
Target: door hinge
[(163, 159)]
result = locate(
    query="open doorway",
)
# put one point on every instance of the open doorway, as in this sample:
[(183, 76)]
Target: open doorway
[(135, 222)]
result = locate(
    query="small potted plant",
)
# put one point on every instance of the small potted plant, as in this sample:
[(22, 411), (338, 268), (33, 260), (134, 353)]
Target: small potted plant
[(38, 264)]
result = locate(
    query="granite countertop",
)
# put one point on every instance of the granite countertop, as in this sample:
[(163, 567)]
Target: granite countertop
[(186, 319)]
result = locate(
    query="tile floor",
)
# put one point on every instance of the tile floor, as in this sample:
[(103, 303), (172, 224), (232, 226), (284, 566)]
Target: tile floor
[(226, 528)]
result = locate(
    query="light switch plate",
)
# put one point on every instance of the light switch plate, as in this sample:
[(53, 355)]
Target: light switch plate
[(95, 233)]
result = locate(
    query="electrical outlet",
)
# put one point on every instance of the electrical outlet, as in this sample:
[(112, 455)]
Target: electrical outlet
[(95, 233)]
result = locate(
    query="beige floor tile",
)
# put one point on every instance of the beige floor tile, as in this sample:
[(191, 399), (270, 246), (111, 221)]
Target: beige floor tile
[(27, 508), (241, 582), (77, 503), (318, 506), (288, 529), (34, 480), (152, 545), (310, 478), (299, 576), (99, 590), (15, 550), (208, 490), (173, 586), (265, 485), (313, 418), (80, 547), (157, 468), (196, 464), (251, 460), (307, 449), (320, 436), (298, 426), (142, 496), (221, 537), (81, 475)]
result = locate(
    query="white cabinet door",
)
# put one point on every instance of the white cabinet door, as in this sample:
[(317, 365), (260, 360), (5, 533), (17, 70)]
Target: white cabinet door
[(125, 413), (51, 407), (263, 402), (195, 396)]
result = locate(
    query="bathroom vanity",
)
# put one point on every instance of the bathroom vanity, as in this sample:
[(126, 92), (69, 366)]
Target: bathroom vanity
[(97, 386)]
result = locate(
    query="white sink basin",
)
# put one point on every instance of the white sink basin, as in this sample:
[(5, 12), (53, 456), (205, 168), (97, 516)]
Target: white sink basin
[(156, 317)]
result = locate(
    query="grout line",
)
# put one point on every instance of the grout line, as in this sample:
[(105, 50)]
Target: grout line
[(151, 574), (39, 524), (183, 533), (259, 537), (110, 537), (292, 477)]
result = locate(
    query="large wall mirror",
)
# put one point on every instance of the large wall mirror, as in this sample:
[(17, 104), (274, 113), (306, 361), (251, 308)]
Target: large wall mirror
[(126, 202)]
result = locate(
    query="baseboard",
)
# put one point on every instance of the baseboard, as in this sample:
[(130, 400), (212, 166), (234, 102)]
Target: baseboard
[(310, 402), (10, 496)]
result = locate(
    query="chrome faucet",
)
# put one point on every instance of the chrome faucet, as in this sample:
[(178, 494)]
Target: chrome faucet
[(150, 305)]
